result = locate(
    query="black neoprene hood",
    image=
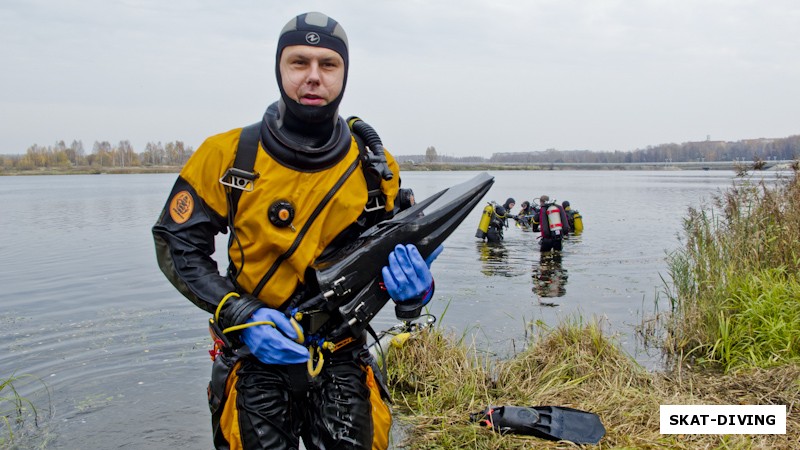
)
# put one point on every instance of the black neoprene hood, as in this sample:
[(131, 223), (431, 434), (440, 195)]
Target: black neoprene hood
[(317, 30)]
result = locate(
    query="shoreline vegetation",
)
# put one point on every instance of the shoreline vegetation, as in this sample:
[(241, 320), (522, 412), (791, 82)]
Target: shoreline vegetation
[(437, 380), (90, 170), (708, 154), (737, 166), (731, 335)]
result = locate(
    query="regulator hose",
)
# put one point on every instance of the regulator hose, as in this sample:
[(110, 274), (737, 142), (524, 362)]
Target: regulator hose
[(377, 160)]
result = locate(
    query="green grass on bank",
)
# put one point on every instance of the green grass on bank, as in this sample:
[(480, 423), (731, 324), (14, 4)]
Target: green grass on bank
[(437, 380), (736, 293)]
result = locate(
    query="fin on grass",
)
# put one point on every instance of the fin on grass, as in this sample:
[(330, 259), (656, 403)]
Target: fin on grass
[(557, 423)]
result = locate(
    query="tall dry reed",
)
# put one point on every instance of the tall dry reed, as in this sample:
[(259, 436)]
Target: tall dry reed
[(736, 298)]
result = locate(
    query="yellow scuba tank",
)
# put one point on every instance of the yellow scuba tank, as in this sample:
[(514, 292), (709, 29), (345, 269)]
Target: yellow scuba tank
[(486, 218), (578, 220)]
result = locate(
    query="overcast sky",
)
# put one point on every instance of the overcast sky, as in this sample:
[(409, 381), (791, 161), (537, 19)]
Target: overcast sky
[(470, 78)]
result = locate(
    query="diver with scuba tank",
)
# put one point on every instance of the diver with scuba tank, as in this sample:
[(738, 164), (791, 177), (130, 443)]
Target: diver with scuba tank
[(298, 184), (525, 218), (574, 218), (553, 223), (492, 223)]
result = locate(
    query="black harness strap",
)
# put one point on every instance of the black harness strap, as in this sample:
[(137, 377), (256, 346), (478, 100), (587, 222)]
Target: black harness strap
[(238, 178), (245, 158)]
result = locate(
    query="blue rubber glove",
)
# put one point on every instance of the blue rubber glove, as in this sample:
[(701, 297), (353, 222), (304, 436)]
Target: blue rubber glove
[(432, 257), (408, 276), (270, 344)]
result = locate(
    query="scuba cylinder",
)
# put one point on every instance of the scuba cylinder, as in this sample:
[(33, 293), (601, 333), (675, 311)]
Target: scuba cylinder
[(578, 220), (574, 217), (554, 220), (492, 222), (483, 225)]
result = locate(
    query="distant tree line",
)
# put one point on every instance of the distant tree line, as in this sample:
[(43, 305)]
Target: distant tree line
[(103, 154), (176, 153), (745, 150)]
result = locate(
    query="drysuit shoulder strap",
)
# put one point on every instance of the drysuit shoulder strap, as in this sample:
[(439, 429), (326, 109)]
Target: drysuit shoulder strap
[(242, 170)]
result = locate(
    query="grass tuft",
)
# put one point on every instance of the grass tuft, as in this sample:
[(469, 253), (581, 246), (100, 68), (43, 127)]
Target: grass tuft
[(18, 415), (438, 380)]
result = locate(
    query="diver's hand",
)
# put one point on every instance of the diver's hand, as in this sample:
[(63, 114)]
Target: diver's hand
[(408, 276), (432, 257), (273, 344)]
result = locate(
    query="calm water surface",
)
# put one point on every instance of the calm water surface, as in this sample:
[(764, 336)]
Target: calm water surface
[(119, 359)]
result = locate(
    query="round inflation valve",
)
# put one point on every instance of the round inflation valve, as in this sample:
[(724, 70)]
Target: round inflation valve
[(281, 213)]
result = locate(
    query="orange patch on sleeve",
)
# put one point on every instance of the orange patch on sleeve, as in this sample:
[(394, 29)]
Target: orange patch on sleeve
[(181, 206)]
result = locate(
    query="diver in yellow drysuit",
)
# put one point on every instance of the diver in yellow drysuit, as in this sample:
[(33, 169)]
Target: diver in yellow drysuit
[(306, 194)]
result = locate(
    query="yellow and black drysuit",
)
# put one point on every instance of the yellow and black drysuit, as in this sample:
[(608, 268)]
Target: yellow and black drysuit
[(255, 405)]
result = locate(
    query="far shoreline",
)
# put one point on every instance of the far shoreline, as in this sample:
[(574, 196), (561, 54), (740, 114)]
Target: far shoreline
[(416, 167)]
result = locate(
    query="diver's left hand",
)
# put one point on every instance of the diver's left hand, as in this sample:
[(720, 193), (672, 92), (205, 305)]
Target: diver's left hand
[(432, 257), (408, 275)]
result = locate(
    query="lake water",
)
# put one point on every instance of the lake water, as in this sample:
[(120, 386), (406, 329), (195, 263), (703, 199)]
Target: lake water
[(115, 357)]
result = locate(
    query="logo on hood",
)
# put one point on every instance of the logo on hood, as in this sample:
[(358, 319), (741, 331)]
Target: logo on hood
[(312, 38)]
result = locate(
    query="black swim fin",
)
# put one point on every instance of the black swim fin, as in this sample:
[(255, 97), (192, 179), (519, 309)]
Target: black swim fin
[(350, 283), (557, 423)]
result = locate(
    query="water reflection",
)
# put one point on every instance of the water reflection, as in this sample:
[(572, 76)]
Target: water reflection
[(494, 259), (549, 277)]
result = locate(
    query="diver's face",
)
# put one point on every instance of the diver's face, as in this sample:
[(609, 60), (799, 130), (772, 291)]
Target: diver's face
[(312, 76)]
